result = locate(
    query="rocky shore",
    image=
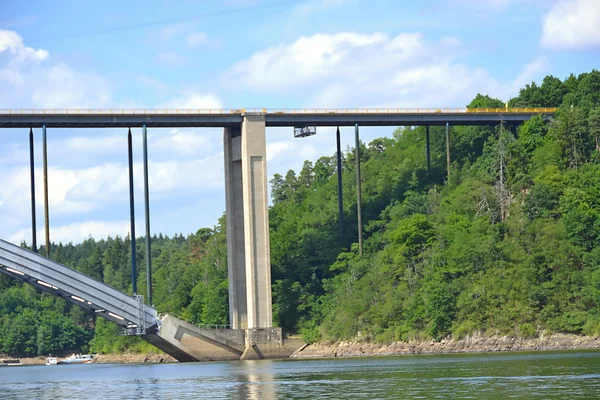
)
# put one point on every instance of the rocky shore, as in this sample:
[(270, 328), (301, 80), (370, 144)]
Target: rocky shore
[(126, 358), (471, 344), (134, 359)]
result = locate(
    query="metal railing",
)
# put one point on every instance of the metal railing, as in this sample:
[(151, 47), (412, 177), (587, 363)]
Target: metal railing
[(213, 326), (119, 112), (304, 111), (204, 326), (320, 111)]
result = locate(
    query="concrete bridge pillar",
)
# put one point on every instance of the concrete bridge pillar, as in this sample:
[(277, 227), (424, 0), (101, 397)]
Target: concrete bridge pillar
[(246, 191)]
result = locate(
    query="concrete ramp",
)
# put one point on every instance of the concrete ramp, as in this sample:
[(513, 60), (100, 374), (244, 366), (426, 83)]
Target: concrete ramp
[(223, 344), (77, 288), (183, 341)]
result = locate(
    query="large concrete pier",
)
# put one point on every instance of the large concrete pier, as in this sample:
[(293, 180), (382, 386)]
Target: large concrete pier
[(248, 224), (251, 335)]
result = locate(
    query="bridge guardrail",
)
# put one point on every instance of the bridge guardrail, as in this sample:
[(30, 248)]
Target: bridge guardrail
[(305, 111), (408, 110), (205, 326)]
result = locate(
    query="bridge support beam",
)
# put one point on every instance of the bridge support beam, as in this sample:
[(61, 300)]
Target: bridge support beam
[(46, 207), (448, 149), (132, 212), (248, 253), (339, 179), (147, 214), (427, 149), (358, 191), (32, 173)]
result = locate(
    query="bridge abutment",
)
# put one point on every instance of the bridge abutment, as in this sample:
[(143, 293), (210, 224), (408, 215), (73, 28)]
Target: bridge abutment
[(188, 342)]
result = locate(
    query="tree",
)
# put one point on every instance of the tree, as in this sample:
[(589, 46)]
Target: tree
[(485, 101)]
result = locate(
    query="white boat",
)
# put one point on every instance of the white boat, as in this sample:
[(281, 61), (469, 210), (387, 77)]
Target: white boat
[(78, 359), (51, 361)]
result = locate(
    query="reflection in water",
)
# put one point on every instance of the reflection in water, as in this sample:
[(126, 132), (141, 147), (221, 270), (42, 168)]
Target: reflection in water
[(145, 388), (256, 380), (550, 375)]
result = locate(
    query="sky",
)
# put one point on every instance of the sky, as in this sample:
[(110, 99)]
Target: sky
[(198, 54)]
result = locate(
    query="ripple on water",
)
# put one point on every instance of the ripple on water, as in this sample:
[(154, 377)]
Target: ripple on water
[(572, 375)]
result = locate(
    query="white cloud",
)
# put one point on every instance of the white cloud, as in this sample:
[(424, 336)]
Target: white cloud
[(188, 142), (29, 79), (529, 73), (276, 149), (572, 24), (78, 191), (286, 68), (190, 175), (182, 163), (194, 142), (77, 232), (193, 101), (96, 144), (285, 152), (12, 42), (368, 70)]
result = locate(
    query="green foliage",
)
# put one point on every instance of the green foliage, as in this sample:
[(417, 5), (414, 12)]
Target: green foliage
[(444, 259), (32, 324), (509, 244), (481, 101)]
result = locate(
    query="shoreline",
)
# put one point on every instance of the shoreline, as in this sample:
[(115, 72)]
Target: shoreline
[(470, 344), (125, 358)]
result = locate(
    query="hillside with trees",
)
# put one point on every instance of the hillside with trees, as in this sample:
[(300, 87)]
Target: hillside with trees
[(506, 243)]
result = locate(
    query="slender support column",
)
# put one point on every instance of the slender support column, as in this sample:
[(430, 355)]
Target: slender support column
[(248, 253), (427, 148), (32, 172), (448, 149), (147, 207), (238, 308), (358, 191), (46, 210), (339, 178), (132, 213)]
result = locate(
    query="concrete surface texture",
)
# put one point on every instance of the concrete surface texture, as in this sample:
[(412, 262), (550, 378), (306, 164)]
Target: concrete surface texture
[(248, 224)]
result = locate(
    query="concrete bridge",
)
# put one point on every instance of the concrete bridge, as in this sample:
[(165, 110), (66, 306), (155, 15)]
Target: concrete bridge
[(272, 117), (249, 268)]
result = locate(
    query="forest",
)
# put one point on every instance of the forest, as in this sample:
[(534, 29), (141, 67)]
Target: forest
[(505, 242)]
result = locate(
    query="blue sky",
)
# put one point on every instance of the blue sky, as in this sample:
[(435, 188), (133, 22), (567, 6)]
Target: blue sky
[(245, 53)]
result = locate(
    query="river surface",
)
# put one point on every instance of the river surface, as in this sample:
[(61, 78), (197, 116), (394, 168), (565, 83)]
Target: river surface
[(530, 375)]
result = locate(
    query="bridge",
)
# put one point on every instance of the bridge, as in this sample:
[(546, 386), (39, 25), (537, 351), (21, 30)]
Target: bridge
[(252, 334), (65, 118)]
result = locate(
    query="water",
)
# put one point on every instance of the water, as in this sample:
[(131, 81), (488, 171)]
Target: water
[(547, 375)]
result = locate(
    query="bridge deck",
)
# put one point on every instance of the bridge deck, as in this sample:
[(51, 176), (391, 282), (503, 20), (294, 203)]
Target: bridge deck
[(221, 118), (74, 287)]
